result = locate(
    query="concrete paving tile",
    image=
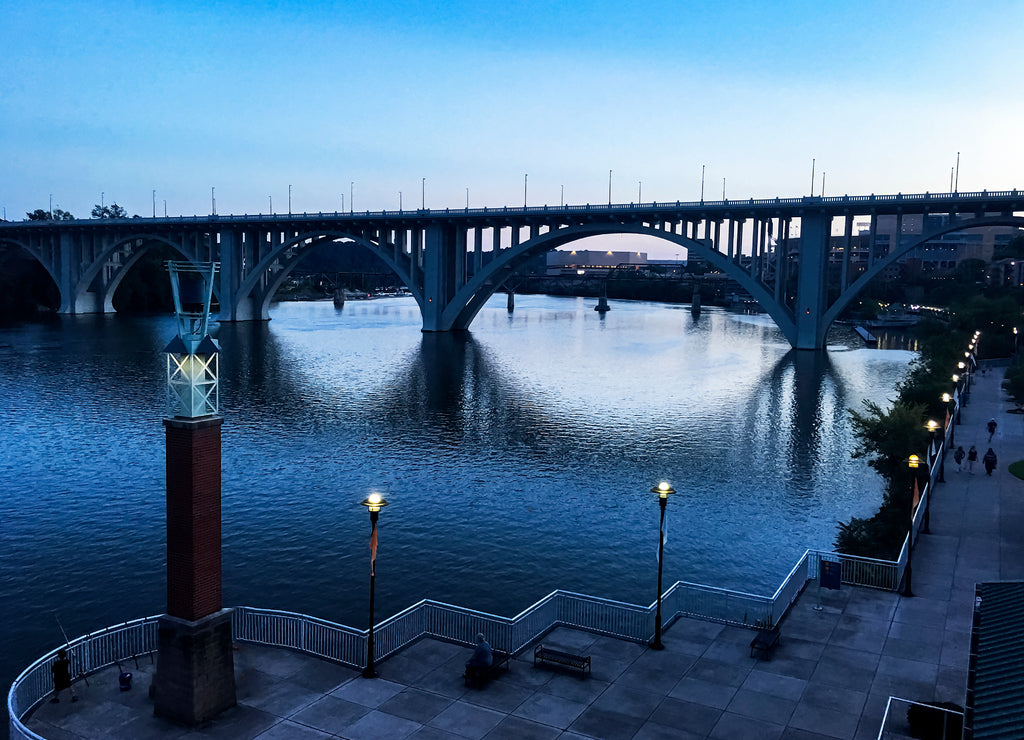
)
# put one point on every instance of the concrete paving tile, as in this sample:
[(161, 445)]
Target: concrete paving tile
[(843, 675), (370, 692), (623, 700), (606, 725), (517, 728), (792, 733), (731, 726), (446, 680), (658, 675), (284, 698), (416, 704), (239, 721), (330, 715), (871, 604), (824, 721), (717, 672), (695, 629), (288, 730), (522, 672), (796, 647), (762, 706), (466, 720), (731, 652), (564, 638), (929, 635), (502, 696), (378, 725), (274, 661), (922, 611), (956, 648), (571, 688), (859, 633), (913, 670), (687, 716), (433, 733), (651, 730), (836, 698), (704, 692), (550, 710), (784, 687), (912, 650)]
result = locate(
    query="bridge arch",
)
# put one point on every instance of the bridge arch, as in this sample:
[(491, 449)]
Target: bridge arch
[(38, 257), (861, 282), (261, 282), (470, 299)]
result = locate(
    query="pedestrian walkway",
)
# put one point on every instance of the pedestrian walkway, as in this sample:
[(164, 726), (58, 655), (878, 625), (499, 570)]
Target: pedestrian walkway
[(830, 677)]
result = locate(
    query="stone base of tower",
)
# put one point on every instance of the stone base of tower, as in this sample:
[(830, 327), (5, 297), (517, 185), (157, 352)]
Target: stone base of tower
[(195, 669)]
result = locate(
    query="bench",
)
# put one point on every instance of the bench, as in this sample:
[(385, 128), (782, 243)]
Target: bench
[(480, 675), (543, 654), (764, 642)]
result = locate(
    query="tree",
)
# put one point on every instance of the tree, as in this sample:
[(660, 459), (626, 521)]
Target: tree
[(887, 439), (41, 215), (111, 211)]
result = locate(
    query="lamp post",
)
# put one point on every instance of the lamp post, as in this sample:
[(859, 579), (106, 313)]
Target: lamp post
[(664, 490), (933, 427), (966, 376), (913, 463), (374, 502), (959, 396), (948, 400)]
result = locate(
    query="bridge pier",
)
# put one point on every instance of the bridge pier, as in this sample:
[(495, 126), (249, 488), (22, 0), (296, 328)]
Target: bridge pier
[(810, 306)]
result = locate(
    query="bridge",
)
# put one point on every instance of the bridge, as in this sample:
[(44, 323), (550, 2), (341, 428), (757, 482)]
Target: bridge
[(453, 260)]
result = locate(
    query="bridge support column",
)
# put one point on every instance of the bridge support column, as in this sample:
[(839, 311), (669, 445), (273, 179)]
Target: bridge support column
[(810, 290), (439, 244)]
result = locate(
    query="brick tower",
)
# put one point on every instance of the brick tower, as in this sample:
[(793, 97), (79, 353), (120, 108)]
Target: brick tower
[(195, 678)]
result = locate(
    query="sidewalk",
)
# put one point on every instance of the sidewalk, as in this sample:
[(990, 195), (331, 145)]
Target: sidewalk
[(830, 677)]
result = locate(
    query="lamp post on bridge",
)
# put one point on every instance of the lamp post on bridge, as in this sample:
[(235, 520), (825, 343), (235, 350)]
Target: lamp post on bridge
[(374, 502), (664, 490), (609, 188), (948, 400), (959, 396), (933, 427)]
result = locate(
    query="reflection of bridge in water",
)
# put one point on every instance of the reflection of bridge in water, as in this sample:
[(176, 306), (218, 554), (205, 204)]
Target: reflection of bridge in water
[(441, 255)]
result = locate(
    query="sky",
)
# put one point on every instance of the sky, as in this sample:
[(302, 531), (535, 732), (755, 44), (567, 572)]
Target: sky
[(363, 101)]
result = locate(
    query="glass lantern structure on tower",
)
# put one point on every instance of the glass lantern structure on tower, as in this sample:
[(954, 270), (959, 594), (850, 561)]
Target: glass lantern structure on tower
[(192, 356)]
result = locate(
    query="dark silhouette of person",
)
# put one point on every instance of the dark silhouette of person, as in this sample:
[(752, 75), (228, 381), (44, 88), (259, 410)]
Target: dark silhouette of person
[(972, 457), (991, 428), (959, 457), (481, 659), (990, 461), (61, 671)]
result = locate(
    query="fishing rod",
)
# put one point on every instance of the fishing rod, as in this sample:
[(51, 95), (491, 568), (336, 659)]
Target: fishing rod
[(67, 642)]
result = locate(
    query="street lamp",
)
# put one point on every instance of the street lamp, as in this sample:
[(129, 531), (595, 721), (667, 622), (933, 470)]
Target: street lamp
[(664, 490), (933, 427), (913, 463), (960, 398), (374, 502), (948, 400)]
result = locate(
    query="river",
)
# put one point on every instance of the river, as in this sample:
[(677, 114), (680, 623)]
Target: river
[(517, 459)]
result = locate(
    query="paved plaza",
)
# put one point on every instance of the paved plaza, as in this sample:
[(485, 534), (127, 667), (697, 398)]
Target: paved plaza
[(830, 677)]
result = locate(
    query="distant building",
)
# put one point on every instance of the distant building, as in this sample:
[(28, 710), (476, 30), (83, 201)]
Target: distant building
[(590, 262)]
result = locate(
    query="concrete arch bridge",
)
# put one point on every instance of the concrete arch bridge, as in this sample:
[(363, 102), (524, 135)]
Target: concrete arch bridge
[(777, 249)]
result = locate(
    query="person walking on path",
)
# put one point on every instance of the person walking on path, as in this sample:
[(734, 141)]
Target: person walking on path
[(61, 671), (991, 428), (972, 457), (959, 457), (990, 461)]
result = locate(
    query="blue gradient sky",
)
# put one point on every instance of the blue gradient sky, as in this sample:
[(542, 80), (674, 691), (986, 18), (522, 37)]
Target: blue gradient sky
[(126, 97)]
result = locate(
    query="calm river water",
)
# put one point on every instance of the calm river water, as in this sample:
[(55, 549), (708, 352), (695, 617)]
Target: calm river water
[(517, 459)]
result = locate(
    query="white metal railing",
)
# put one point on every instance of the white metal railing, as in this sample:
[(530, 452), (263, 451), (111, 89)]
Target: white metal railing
[(86, 654), (346, 645), (948, 723)]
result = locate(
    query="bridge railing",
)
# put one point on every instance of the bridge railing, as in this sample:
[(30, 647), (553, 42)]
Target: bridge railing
[(666, 207)]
